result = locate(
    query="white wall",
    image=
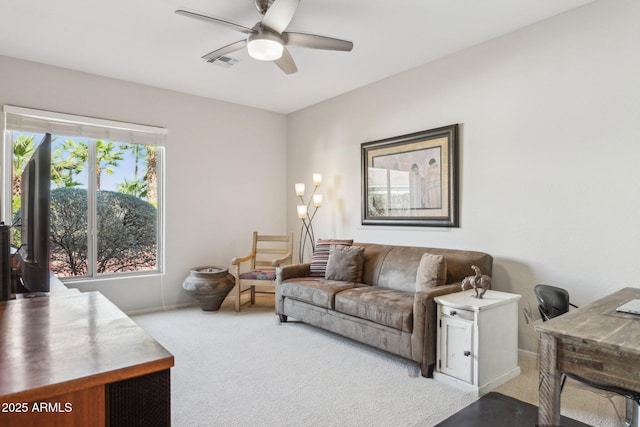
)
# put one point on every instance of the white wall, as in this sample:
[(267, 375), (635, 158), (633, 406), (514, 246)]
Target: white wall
[(225, 168), (550, 183)]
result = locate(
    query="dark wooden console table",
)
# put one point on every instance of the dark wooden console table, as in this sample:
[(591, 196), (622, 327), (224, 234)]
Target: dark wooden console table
[(78, 360), (594, 342)]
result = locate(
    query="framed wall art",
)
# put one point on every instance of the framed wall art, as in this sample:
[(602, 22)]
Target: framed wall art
[(411, 180)]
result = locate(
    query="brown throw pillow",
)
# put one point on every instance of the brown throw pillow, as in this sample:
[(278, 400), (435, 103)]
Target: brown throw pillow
[(432, 272), (345, 263)]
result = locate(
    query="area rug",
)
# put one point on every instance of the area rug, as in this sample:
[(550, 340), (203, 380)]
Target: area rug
[(497, 410)]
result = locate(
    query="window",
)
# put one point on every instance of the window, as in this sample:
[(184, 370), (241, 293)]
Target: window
[(106, 191)]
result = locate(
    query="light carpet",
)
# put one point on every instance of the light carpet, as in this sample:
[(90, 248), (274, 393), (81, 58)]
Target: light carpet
[(243, 369)]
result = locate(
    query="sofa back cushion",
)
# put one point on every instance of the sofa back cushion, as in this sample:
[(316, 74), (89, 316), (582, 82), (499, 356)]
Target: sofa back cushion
[(395, 267)]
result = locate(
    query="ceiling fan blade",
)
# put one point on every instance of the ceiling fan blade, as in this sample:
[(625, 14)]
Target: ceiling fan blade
[(214, 20), (286, 63), (313, 41), (225, 50), (280, 14)]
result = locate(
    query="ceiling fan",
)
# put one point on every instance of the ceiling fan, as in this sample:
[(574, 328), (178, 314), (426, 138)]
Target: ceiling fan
[(267, 39)]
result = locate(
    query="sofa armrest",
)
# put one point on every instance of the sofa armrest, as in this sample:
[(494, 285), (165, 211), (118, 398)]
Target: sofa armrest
[(291, 270), (427, 297), (423, 338)]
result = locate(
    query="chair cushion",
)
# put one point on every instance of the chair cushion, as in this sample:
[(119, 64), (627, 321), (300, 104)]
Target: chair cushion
[(380, 305), (321, 255), (259, 275), (312, 290), (345, 263)]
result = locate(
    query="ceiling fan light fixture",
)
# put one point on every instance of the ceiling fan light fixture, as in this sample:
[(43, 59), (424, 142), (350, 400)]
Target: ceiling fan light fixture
[(265, 46)]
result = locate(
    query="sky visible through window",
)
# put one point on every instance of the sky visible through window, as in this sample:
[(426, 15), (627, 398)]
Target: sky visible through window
[(109, 182)]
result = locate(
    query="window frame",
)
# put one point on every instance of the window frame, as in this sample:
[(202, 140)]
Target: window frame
[(27, 120)]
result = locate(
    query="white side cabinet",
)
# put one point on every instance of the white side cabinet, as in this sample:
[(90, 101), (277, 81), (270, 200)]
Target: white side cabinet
[(477, 340)]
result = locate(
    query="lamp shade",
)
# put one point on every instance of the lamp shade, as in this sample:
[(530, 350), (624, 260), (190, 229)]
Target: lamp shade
[(317, 179), (302, 211), (317, 200), (300, 189)]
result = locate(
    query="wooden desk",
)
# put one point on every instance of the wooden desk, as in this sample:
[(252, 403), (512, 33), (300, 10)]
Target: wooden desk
[(594, 342), (78, 360)]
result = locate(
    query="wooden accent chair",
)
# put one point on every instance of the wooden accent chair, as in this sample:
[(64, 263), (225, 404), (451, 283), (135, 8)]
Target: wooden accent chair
[(267, 254)]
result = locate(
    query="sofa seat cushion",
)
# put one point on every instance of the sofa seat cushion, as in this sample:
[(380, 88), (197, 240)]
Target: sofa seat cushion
[(384, 306), (314, 290)]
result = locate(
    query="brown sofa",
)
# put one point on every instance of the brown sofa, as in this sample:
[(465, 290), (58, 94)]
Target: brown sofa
[(382, 309)]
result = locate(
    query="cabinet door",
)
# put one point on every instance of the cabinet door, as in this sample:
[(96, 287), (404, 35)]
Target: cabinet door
[(456, 343)]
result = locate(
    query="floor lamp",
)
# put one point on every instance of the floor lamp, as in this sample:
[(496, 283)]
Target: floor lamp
[(306, 229)]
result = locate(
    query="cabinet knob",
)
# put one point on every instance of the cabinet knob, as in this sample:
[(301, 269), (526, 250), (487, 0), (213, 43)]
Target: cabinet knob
[(467, 353), (453, 312)]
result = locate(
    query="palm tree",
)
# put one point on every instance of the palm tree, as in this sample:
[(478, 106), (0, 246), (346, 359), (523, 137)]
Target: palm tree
[(68, 159), (150, 175), (23, 148), (107, 155), (138, 151), (136, 187), (142, 154)]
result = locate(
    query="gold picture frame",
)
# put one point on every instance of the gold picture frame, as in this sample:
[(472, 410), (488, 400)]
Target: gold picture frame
[(412, 180)]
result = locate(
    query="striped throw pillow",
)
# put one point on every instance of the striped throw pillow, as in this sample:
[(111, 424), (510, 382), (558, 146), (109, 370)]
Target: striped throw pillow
[(321, 255)]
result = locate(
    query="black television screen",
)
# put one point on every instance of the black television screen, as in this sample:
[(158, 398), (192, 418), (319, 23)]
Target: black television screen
[(34, 219)]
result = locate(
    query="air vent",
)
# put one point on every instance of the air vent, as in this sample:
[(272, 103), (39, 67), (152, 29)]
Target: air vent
[(223, 61)]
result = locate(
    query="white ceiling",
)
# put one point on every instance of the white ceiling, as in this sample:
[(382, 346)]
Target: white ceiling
[(144, 41)]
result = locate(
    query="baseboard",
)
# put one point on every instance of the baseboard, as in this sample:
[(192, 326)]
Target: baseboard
[(230, 299), (477, 390), (157, 309), (527, 354), (509, 375)]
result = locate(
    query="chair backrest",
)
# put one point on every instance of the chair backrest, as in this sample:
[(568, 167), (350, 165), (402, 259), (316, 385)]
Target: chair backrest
[(268, 248), (552, 301)]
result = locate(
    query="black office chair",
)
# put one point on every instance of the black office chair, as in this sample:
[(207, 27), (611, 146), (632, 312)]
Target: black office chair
[(554, 301)]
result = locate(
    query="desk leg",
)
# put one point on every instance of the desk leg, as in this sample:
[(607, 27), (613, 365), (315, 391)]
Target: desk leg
[(549, 391)]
